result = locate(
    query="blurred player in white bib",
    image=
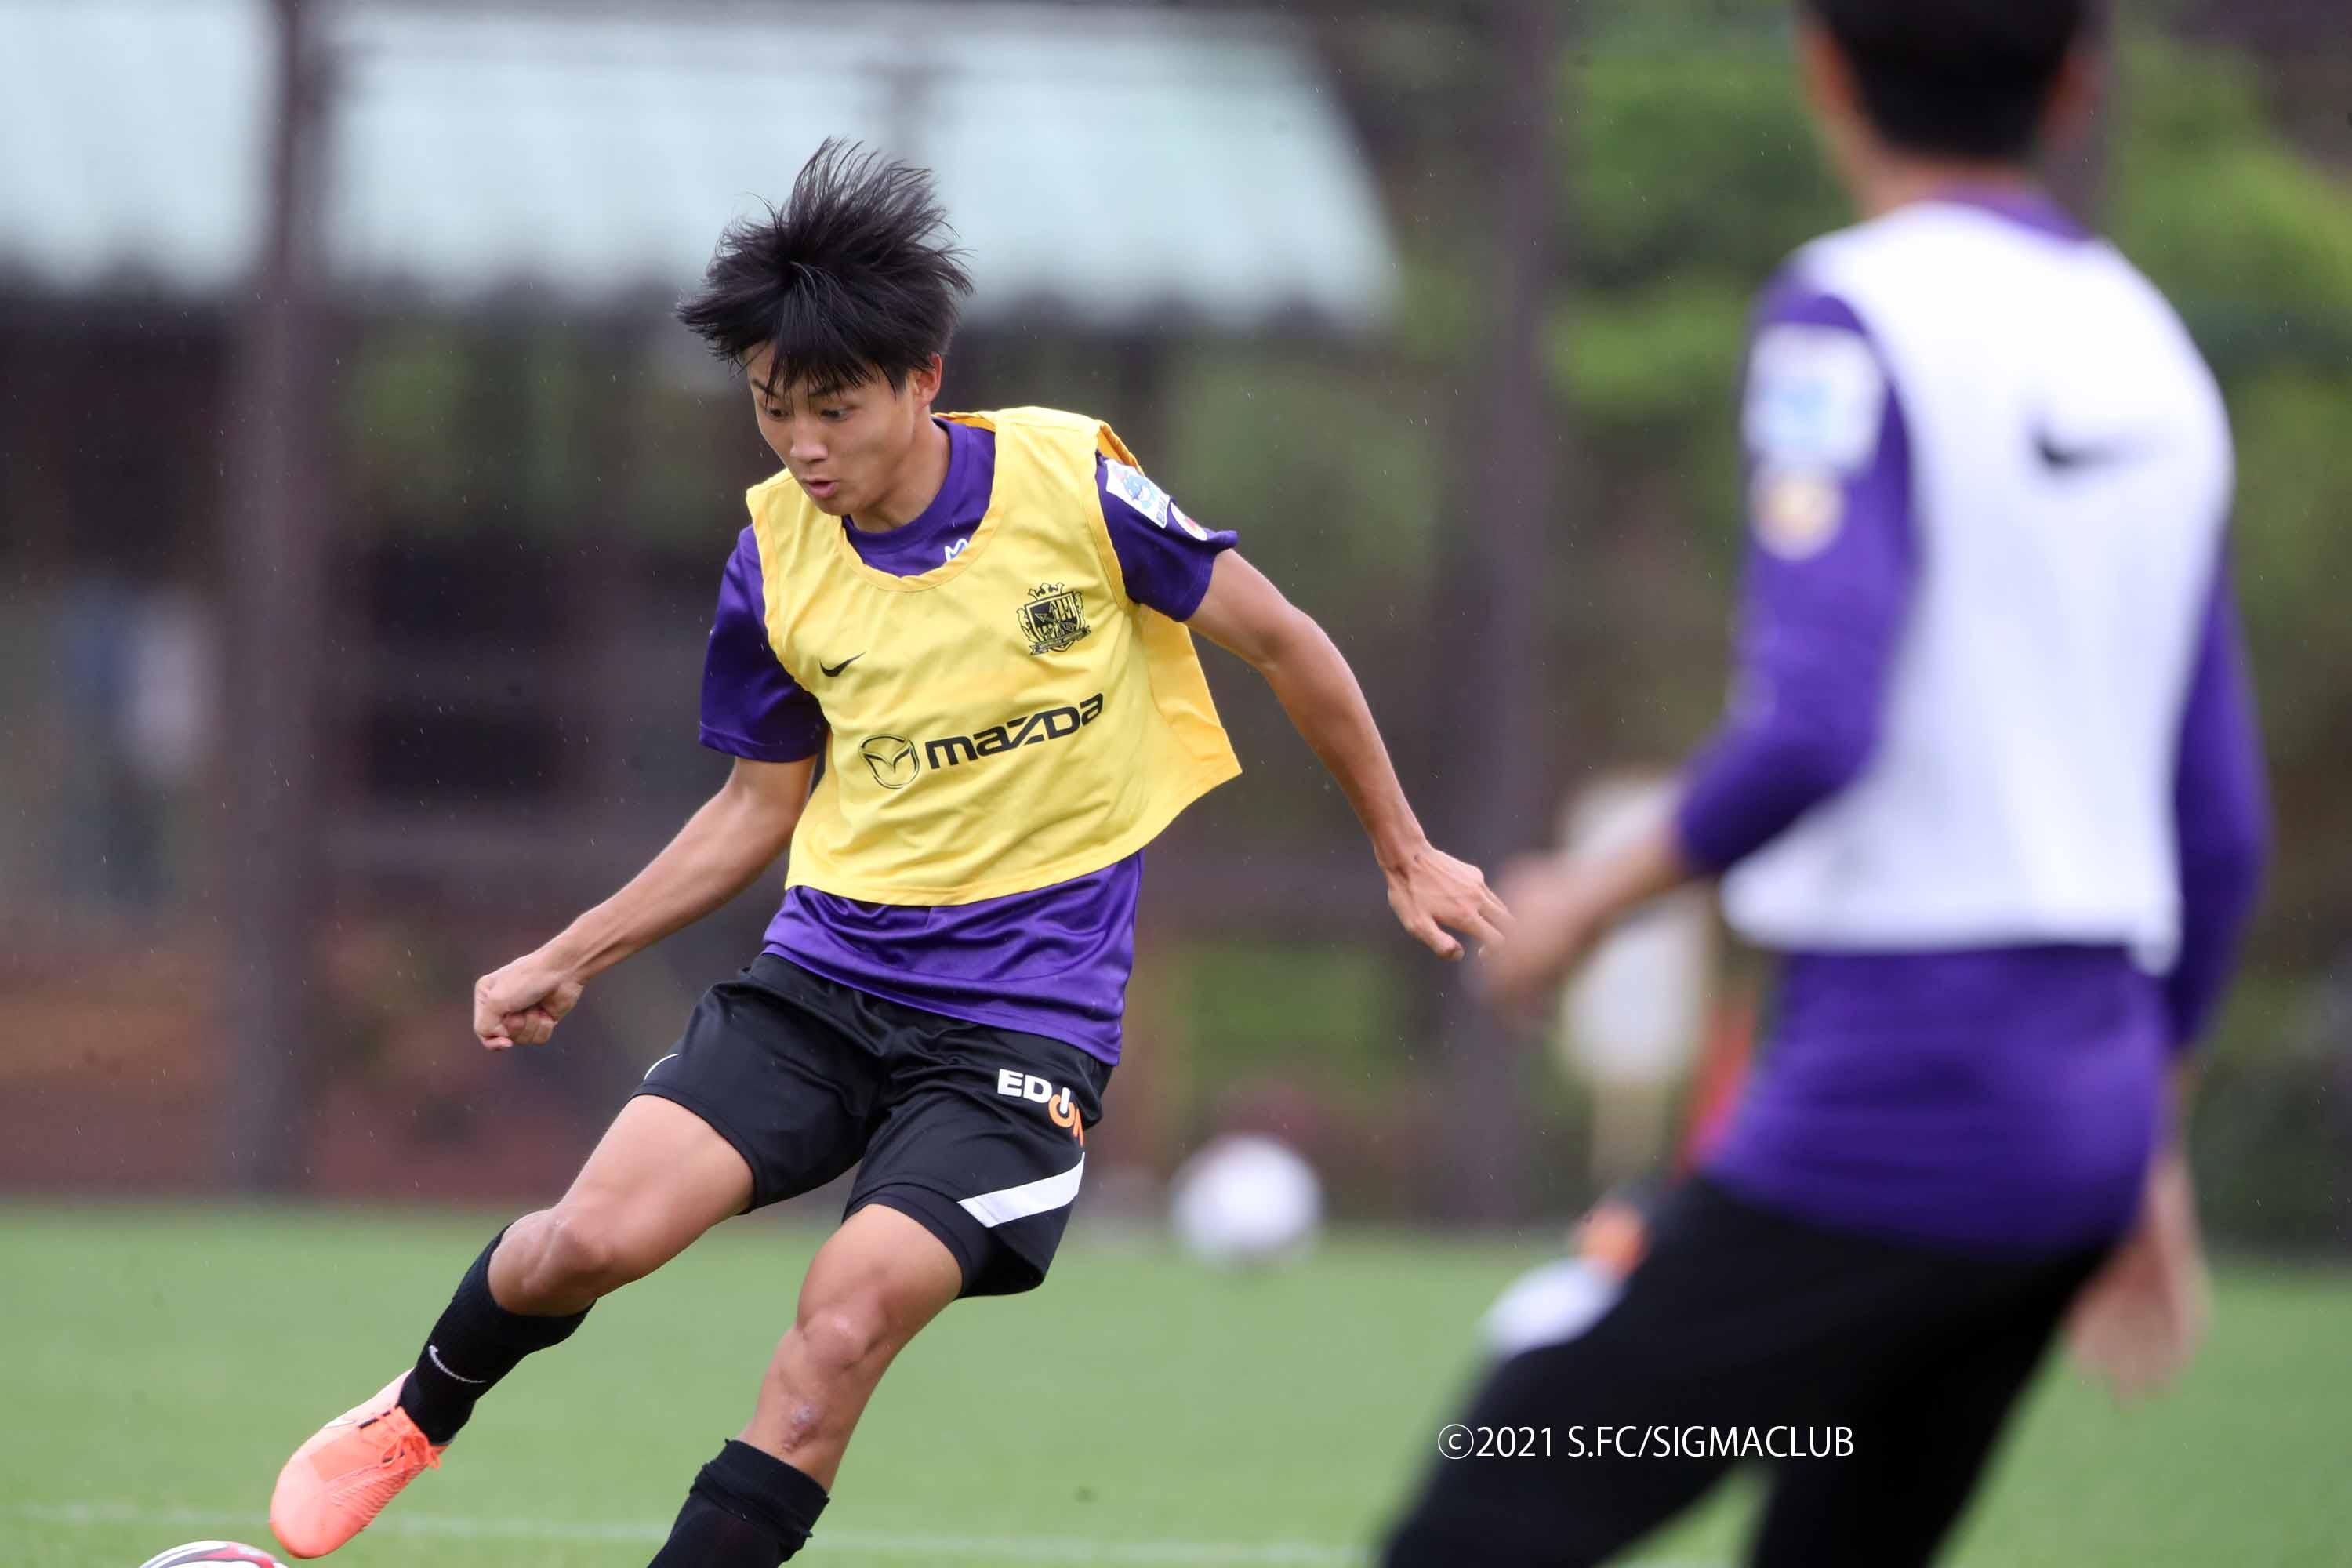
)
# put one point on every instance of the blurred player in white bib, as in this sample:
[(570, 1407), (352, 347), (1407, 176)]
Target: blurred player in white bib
[(1989, 785)]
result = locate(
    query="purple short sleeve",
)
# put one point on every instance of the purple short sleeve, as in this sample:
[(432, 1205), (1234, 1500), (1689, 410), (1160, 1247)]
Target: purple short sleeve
[(750, 705), (1830, 565), (1164, 556)]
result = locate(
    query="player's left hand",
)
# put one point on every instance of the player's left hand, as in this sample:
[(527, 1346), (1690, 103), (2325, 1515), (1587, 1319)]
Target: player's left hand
[(521, 1004), (1559, 923), (2137, 1324), (1432, 894)]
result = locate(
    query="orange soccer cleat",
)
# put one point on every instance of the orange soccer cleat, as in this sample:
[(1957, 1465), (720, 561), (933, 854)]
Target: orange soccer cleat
[(340, 1480)]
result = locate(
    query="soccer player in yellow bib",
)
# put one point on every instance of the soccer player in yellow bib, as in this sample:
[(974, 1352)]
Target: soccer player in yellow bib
[(980, 622)]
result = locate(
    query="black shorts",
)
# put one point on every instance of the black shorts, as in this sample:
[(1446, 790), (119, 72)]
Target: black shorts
[(977, 1133), (1875, 1377)]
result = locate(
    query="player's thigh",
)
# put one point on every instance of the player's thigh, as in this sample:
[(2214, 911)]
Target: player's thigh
[(1923, 1437), (660, 1176), (1523, 1478), (983, 1142), (1736, 1317), (874, 1285), (780, 1065), (1555, 1459)]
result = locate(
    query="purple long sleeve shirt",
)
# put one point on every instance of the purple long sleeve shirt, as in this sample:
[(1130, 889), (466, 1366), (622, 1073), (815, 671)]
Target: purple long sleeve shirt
[(1053, 961), (2003, 1099)]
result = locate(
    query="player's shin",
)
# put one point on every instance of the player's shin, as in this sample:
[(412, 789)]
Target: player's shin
[(746, 1510), (474, 1343)]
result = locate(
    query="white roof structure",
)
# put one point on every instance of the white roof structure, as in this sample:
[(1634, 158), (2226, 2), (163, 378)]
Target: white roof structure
[(1127, 167)]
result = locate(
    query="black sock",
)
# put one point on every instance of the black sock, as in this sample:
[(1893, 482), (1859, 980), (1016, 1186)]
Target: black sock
[(475, 1343), (748, 1510)]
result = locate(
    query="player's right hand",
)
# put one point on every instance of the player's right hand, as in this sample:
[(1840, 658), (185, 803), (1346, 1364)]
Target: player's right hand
[(1559, 919), (2137, 1324), (521, 1004)]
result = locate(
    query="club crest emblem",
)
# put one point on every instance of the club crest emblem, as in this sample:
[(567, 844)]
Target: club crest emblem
[(1054, 618)]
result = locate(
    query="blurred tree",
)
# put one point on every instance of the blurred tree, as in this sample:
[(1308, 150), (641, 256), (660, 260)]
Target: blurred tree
[(1686, 173), (1689, 175)]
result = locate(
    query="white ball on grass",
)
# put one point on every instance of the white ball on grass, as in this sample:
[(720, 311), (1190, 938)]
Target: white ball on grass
[(1245, 1199)]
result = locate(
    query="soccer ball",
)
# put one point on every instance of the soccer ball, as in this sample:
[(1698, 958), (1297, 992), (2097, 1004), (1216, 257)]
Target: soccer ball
[(199, 1552), (1245, 1200)]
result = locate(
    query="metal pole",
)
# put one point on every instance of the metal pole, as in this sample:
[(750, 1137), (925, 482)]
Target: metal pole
[(274, 577), (1489, 709)]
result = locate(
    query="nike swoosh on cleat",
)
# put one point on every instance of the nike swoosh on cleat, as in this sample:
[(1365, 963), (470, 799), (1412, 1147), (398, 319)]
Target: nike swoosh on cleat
[(830, 670)]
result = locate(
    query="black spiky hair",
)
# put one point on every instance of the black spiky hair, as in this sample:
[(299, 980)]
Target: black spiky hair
[(856, 275), (1959, 77)]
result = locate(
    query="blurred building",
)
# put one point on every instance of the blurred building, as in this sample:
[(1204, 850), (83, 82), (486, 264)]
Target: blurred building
[(1442, 305), (515, 485), (1131, 170), (508, 197)]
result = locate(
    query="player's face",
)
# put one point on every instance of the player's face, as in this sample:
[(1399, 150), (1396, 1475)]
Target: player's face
[(849, 446)]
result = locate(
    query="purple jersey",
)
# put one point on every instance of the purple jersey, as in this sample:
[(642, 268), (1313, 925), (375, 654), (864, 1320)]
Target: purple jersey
[(1997, 1097), (1052, 962)]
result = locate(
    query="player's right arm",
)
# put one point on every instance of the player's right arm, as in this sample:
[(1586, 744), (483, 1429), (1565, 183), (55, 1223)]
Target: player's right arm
[(2140, 1319), (753, 710), (737, 835)]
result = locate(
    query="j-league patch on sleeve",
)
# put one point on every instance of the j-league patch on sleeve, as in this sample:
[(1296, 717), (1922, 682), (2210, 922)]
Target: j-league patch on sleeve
[(1132, 485), (1815, 398), (1797, 513)]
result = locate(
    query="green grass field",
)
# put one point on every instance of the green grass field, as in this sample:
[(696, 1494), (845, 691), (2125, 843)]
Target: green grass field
[(1136, 1411)]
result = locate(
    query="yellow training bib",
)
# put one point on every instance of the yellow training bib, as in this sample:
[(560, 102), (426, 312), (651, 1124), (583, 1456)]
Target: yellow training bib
[(1005, 721)]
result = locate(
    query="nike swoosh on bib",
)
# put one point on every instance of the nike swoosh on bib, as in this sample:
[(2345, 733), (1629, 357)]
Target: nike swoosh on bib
[(2064, 458)]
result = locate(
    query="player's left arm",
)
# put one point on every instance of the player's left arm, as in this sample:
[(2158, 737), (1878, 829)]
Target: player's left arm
[(1432, 892)]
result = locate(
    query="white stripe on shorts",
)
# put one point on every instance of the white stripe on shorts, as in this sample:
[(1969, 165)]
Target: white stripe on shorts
[(1008, 1203)]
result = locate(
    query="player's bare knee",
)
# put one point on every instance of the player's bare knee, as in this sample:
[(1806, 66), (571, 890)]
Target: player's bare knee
[(584, 1249), (842, 1336)]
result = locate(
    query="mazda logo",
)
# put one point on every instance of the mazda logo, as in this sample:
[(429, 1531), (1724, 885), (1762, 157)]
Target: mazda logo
[(892, 760)]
